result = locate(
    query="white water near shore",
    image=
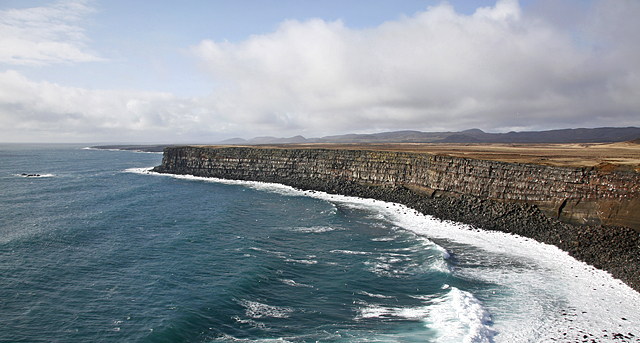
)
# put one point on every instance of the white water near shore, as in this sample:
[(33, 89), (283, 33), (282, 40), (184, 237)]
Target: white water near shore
[(539, 293)]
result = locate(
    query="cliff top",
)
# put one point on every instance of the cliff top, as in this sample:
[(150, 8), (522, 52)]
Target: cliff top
[(607, 156)]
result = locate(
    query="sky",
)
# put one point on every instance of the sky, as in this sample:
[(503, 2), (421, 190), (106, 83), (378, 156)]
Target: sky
[(202, 71)]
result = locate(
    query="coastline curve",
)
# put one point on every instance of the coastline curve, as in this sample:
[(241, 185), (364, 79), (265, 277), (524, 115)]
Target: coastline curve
[(585, 212)]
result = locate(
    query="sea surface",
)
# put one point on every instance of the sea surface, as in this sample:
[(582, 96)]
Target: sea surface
[(96, 248)]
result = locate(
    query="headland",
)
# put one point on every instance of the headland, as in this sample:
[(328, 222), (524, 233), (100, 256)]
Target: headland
[(582, 198)]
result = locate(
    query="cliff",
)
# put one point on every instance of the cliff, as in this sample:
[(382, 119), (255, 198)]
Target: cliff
[(585, 211)]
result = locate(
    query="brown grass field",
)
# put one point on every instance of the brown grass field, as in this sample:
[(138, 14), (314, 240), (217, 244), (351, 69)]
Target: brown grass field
[(605, 156)]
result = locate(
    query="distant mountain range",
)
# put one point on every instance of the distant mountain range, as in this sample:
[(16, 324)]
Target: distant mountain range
[(269, 140), (597, 135)]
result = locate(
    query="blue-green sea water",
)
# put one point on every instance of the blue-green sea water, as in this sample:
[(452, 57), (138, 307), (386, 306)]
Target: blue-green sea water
[(95, 248)]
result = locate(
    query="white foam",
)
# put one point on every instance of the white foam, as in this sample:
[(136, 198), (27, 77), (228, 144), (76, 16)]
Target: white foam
[(391, 266), (294, 284), (125, 150), (546, 282), (383, 269), (529, 298), (301, 261), (257, 310), (148, 170), (379, 296), (460, 317), (249, 321), (377, 311), (535, 293), (314, 229), (349, 252), (383, 239), (263, 186), (443, 251)]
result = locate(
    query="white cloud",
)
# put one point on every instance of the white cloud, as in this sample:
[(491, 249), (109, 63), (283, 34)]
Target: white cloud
[(499, 69), (72, 114), (495, 69), (45, 35)]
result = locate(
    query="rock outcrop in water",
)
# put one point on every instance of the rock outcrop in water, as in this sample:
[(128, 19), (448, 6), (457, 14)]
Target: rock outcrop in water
[(587, 212)]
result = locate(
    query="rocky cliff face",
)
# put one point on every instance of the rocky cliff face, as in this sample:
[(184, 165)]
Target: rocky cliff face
[(532, 201), (580, 196)]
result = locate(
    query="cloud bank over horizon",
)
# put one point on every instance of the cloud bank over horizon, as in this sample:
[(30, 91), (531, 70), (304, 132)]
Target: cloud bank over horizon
[(499, 69)]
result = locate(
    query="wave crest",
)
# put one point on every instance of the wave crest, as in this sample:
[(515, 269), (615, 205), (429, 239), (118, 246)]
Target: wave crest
[(460, 317)]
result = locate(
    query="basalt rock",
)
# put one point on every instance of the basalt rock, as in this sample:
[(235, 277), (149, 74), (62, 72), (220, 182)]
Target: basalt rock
[(592, 214)]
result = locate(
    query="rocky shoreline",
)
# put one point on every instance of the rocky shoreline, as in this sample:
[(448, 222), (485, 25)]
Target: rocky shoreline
[(610, 248)]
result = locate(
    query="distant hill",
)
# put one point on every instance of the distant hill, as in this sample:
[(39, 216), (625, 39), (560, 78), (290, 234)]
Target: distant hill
[(265, 140), (597, 135), (388, 137)]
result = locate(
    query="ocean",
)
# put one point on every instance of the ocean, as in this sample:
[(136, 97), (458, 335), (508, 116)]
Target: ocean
[(96, 248)]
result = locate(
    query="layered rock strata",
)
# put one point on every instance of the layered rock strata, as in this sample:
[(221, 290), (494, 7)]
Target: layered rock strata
[(587, 212)]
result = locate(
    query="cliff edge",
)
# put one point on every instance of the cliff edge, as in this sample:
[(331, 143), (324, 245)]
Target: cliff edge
[(590, 212)]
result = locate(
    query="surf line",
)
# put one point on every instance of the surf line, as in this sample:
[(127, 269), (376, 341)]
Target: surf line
[(346, 172)]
